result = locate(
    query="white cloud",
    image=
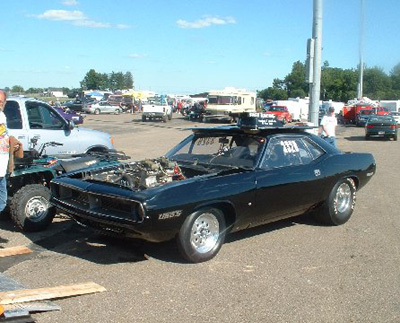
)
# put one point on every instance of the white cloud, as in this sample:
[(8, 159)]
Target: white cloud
[(207, 21), (122, 26), (63, 15), (137, 55), (70, 2), (76, 18)]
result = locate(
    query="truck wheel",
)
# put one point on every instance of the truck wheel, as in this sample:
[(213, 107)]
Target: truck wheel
[(395, 137), (202, 235), (144, 118), (30, 208), (339, 206), (117, 111), (170, 116), (165, 118), (97, 111)]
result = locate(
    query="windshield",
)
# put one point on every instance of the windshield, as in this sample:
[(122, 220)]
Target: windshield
[(365, 112), (238, 150), (276, 108), (218, 99), (381, 119)]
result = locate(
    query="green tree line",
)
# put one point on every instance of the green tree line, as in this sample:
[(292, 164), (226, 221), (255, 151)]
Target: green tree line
[(103, 81), (337, 84), (92, 81)]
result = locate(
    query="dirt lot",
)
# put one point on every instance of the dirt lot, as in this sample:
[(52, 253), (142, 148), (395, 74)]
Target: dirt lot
[(290, 271)]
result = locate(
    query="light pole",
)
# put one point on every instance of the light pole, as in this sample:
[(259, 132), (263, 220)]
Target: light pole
[(361, 49), (314, 71)]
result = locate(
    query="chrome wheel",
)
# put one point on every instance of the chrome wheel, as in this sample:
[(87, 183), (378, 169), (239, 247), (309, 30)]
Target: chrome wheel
[(36, 208), (343, 198), (205, 233)]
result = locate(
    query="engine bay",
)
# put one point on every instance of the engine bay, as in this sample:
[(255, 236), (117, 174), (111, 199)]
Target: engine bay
[(138, 175)]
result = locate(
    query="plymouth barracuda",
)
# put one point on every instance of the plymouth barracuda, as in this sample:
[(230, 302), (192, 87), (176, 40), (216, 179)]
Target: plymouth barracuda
[(218, 180)]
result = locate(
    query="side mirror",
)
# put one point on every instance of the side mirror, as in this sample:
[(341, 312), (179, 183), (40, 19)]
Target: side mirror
[(70, 125)]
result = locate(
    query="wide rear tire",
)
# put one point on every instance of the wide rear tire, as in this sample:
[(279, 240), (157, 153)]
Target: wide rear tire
[(202, 235), (339, 206), (31, 209)]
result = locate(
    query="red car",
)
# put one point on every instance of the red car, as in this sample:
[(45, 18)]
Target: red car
[(281, 112)]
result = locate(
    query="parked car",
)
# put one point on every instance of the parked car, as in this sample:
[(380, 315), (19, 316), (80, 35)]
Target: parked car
[(362, 116), (77, 105), (30, 118), (68, 114), (102, 107), (156, 108), (384, 126), (115, 99), (218, 180), (282, 113)]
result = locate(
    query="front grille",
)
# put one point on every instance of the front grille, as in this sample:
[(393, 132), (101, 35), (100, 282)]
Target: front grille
[(84, 203)]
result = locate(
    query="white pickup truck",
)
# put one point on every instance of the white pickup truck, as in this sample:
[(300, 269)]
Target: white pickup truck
[(30, 118), (156, 108)]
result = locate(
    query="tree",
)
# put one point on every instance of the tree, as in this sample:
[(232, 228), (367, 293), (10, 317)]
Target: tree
[(395, 77), (295, 81), (128, 81), (91, 81), (376, 83), (17, 89)]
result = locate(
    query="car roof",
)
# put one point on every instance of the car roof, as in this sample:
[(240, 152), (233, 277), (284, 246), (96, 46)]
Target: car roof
[(234, 129)]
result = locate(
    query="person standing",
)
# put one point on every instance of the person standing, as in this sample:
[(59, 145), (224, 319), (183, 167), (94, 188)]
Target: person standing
[(328, 125), (4, 151)]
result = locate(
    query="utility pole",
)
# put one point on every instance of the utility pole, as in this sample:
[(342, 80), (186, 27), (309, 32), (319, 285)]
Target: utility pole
[(361, 49), (314, 64)]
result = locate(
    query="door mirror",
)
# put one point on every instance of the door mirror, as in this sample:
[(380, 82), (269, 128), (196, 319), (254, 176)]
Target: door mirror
[(70, 125)]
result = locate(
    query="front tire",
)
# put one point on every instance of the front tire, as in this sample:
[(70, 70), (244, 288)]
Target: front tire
[(118, 111), (202, 235), (30, 208), (97, 111), (339, 206)]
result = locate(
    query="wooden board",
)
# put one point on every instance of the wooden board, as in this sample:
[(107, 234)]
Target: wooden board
[(28, 295), (13, 251)]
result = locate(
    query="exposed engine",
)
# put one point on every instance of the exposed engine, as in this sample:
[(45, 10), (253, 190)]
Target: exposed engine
[(139, 175)]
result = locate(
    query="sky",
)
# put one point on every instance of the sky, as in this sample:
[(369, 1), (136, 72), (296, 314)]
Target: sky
[(186, 47)]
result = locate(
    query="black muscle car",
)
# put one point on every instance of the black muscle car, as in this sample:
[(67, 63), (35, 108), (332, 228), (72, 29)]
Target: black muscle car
[(218, 180)]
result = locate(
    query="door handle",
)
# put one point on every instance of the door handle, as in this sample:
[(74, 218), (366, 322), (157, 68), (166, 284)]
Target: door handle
[(21, 137)]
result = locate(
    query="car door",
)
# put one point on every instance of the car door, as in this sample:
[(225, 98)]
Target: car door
[(15, 123), (47, 125), (289, 177)]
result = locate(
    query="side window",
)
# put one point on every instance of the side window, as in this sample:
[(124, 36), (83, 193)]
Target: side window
[(43, 117), (286, 151), (314, 149), (13, 115)]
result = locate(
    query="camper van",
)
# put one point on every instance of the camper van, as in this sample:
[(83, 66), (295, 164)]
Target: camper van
[(223, 103)]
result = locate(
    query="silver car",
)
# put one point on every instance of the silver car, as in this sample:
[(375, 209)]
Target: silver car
[(102, 107)]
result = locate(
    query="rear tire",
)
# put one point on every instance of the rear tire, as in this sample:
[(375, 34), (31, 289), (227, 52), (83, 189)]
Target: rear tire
[(31, 209), (202, 235), (339, 206), (118, 111), (97, 111)]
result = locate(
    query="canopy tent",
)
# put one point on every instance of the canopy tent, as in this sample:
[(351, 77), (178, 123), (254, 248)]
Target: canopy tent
[(139, 94)]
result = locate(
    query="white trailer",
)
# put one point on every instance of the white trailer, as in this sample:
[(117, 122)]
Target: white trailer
[(298, 108), (222, 103), (392, 105)]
